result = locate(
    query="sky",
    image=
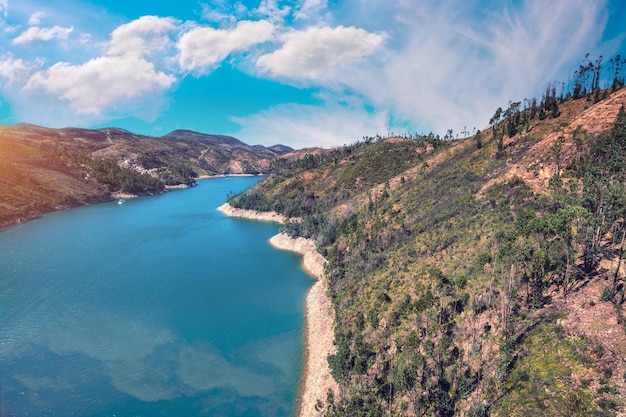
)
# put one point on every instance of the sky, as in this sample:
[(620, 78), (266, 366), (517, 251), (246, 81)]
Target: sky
[(301, 73)]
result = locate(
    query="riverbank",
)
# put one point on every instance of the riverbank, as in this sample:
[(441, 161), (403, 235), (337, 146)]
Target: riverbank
[(87, 196), (204, 177), (270, 216), (319, 320), (9, 217)]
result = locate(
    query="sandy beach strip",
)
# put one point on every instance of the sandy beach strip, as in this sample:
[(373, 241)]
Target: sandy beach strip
[(270, 216), (319, 317), (204, 177)]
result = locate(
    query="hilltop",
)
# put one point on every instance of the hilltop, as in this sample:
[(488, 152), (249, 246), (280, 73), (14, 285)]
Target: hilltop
[(476, 277), (44, 169)]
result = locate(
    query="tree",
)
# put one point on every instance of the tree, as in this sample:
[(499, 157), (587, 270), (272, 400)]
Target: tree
[(617, 65), (493, 122), (550, 103), (478, 138), (604, 193), (512, 117)]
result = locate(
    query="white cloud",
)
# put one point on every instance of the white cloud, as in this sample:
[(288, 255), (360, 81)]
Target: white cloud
[(4, 8), (214, 14), (430, 65), (120, 83), (269, 9), (85, 39), (449, 66), (35, 18), (142, 36), (301, 126), (223, 11), (100, 82), (315, 52), (310, 9), (14, 70), (203, 48), (35, 33), (9, 29)]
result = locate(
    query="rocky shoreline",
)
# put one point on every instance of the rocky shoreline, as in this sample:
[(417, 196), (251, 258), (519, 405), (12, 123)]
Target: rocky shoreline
[(270, 216), (319, 319)]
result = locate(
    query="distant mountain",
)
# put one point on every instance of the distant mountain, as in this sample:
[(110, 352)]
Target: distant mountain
[(193, 136), (282, 149), (46, 169)]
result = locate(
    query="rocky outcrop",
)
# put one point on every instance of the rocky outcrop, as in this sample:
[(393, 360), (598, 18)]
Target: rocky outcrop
[(271, 216)]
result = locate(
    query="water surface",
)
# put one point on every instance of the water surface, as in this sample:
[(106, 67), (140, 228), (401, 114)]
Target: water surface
[(160, 306)]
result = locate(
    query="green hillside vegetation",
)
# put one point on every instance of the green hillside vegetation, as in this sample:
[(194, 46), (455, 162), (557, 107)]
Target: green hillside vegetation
[(43, 169), (455, 279)]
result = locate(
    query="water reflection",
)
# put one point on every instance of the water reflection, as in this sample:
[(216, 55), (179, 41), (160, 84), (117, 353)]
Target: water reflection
[(133, 315)]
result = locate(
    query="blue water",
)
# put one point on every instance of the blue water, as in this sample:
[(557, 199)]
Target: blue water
[(161, 306)]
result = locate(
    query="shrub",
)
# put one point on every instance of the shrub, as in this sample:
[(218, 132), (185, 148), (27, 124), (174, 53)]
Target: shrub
[(607, 294)]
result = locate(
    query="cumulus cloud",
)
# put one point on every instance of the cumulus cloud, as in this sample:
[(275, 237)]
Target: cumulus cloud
[(35, 18), (428, 65), (114, 82), (35, 33), (100, 82), (142, 36), (14, 70), (270, 10), (309, 9), (299, 126), (202, 48), (223, 11), (315, 52)]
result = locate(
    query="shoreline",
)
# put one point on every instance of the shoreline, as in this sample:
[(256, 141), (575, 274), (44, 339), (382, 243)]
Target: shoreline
[(204, 177), (38, 212), (270, 216), (319, 320)]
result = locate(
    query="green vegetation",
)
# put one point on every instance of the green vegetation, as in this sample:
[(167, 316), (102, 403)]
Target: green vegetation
[(549, 378), (445, 285), (44, 169), (454, 267), (123, 179)]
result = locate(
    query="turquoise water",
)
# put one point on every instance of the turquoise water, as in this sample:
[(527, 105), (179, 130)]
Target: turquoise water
[(161, 306)]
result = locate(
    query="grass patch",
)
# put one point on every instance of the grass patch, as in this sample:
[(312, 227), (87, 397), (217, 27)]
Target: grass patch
[(551, 378)]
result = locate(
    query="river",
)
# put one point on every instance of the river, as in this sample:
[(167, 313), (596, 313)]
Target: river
[(160, 306)]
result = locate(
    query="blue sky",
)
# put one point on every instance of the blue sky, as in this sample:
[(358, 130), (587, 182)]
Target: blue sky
[(300, 72)]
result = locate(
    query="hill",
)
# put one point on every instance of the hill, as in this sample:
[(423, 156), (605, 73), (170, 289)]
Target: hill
[(43, 169), (475, 277)]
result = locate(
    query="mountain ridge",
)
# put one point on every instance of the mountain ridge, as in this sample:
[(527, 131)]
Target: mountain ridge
[(191, 135), (46, 169), (476, 277)]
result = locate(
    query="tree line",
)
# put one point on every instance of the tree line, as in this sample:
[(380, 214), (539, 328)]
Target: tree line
[(592, 80)]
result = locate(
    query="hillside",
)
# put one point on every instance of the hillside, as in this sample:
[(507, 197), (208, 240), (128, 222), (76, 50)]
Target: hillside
[(473, 277), (43, 169)]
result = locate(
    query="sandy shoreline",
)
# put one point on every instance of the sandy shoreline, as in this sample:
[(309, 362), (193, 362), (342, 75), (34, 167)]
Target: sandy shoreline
[(204, 177), (319, 325), (270, 216)]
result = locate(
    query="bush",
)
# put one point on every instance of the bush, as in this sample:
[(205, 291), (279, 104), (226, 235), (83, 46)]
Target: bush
[(478, 409), (607, 294)]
